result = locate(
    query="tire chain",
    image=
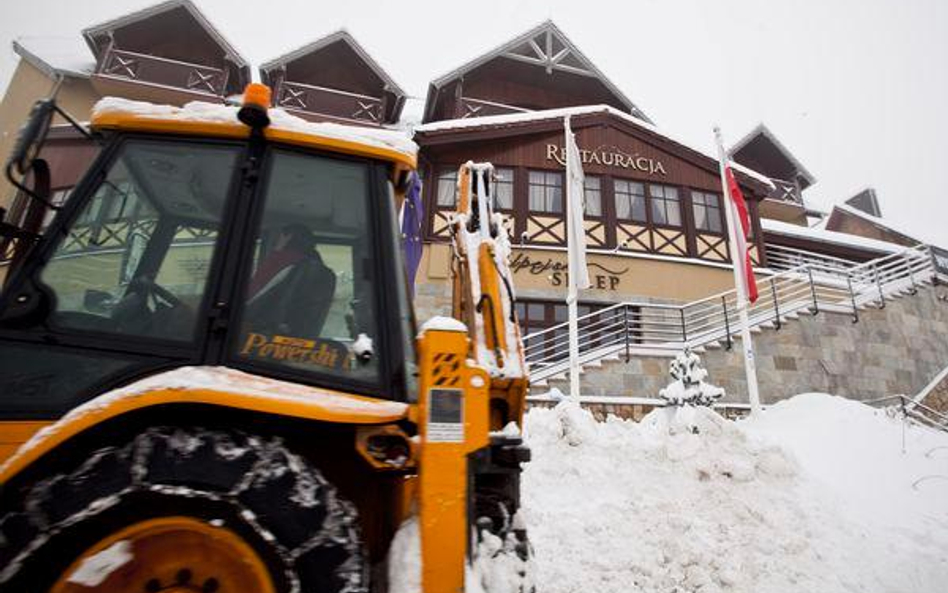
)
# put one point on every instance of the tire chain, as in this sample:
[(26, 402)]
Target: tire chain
[(253, 474)]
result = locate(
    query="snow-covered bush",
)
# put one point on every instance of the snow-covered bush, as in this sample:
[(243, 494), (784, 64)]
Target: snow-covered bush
[(688, 386)]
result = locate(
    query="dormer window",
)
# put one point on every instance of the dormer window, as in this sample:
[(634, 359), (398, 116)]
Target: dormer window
[(167, 53)]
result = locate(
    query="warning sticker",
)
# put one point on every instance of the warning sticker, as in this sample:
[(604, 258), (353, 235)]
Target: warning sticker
[(446, 416)]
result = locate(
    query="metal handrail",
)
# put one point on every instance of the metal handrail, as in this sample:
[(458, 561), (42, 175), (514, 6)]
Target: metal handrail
[(836, 284), (910, 408)]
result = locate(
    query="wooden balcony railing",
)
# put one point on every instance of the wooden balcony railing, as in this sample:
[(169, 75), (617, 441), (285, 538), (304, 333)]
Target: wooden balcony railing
[(785, 191), (318, 100), (479, 108), (194, 78)]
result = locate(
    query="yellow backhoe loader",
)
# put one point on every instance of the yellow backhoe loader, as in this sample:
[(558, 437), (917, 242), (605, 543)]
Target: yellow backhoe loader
[(210, 374)]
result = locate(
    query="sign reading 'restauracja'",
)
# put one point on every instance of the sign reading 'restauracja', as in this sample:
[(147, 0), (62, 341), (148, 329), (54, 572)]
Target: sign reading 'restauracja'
[(613, 158)]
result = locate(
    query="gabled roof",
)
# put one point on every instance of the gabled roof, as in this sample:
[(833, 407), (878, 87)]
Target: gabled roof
[(91, 33), (881, 223), (345, 37), (819, 235), (762, 131), (556, 52), (866, 201), (56, 56)]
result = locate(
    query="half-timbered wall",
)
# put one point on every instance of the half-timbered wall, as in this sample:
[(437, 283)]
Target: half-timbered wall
[(621, 164)]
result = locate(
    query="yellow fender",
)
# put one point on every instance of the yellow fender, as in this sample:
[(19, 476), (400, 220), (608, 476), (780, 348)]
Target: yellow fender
[(236, 390)]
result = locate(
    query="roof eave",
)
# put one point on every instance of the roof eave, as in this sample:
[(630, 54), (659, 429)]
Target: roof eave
[(502, 129), (42, 65)]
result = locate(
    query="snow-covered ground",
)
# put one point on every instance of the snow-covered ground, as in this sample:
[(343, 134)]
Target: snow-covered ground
[(819, 494)]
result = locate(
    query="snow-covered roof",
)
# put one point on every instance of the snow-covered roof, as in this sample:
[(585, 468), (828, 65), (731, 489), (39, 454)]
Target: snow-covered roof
[(762, 130), (824, 236), (104, 28), (881, 222), (56, 56), (344, 36), (514, 119), (550, 61), (199, 111)]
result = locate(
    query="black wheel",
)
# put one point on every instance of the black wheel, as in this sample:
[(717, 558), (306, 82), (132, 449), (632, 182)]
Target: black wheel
[(188, 509)]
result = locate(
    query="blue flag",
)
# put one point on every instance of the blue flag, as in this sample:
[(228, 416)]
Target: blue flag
[(413, 216)]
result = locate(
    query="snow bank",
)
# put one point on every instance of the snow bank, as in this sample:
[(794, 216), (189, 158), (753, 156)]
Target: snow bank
[(816, 495)]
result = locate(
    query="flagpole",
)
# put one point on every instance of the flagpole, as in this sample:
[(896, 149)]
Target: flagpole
[(572, 293), (577, 272), (750, 366)]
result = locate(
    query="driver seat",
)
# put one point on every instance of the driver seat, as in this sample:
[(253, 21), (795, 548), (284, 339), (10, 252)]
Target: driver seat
[(298, 303)]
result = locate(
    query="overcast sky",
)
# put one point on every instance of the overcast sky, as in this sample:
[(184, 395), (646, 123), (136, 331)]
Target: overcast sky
[(857, 90)]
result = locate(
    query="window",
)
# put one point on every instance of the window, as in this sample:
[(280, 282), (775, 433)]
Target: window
[(137, 258), (311, 300), (504, 188), (592, 192), (630, 200), (665, 207), (546, 192), (447, 188), (707, 210)]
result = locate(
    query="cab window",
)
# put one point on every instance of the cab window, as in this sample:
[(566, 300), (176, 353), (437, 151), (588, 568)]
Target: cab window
[(136, 258), (310, 302)]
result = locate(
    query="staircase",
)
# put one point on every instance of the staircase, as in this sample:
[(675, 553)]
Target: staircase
[(802, 283)]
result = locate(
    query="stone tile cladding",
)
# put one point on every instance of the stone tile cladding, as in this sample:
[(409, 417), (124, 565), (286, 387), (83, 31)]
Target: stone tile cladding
[(898, 349)]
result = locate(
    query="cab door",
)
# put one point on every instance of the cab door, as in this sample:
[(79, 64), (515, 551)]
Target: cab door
[(120, 288)]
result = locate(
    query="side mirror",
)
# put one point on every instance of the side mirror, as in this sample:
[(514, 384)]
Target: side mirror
[(31, 137)]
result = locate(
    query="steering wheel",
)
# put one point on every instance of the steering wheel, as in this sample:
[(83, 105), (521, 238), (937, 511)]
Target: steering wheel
[(148, 287), (133, 315)]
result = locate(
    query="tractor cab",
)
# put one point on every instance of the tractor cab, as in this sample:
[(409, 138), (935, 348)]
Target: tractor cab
[(206, 241)]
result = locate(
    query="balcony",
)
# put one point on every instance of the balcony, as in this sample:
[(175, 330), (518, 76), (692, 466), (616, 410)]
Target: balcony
[(194, 80), (323, 103)]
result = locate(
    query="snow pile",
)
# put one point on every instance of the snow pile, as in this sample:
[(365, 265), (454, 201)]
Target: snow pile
[(815, 495), (200, 111)]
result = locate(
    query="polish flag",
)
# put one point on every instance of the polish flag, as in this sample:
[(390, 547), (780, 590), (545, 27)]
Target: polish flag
[(739, 206)]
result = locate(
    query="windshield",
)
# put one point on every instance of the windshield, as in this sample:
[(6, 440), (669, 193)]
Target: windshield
[(310, 302), (136, 258)]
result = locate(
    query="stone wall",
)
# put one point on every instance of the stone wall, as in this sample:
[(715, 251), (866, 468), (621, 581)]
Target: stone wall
[(432, 299), (898, 349)]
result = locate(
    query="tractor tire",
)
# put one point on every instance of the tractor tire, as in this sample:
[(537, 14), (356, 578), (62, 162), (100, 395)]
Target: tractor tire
[(184, 509)]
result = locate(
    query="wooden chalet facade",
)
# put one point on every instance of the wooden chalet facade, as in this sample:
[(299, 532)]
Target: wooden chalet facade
[(654, 220)]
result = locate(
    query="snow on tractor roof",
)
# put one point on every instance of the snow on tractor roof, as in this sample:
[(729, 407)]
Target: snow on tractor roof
[(199, 112)]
